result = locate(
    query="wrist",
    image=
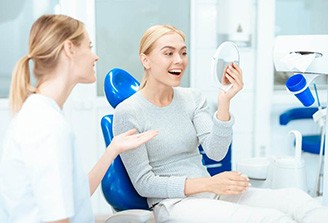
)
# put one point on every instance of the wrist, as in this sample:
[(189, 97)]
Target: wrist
[(223, 111), (113, 150), (197, 185), (223, 114)]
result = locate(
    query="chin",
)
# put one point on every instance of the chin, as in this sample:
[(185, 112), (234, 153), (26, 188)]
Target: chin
[(176, 83), (89, 80)]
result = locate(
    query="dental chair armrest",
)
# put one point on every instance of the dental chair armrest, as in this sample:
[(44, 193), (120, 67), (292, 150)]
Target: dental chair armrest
[(131, 216)]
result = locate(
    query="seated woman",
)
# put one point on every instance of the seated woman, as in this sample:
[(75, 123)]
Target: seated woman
[(168, 170)]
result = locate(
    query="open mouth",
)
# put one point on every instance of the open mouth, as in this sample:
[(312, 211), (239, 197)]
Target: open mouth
[(175, 71)]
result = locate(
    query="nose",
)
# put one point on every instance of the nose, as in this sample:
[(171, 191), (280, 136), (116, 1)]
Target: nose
[(96, 57), (177, 58)]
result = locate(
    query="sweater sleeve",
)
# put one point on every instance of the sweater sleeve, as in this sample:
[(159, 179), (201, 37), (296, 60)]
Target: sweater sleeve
[(214, 135), (136, 161)]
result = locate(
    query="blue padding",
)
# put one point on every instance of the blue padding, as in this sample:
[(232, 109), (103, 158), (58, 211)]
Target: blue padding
[(119, 85), (311, 144), (116, 185), (296, 113), (225, 162)]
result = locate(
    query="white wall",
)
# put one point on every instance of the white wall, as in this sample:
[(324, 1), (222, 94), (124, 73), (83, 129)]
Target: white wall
[(85, 110), (206, 22), (256, 108)]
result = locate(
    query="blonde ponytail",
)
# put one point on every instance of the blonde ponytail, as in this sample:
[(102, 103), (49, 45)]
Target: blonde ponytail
[(47, 37), (21, 86)]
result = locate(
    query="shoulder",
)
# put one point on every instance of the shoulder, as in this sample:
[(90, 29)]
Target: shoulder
[(129, 112), (128, 107), (39, 118)]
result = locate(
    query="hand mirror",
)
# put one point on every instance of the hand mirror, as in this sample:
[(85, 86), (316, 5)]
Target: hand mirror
[(226, 54)]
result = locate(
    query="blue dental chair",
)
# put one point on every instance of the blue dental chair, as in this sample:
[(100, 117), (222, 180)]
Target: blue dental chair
[(116, 185)]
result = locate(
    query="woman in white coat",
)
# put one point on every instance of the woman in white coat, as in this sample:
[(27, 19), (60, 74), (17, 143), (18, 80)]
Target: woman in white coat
[(41, 179)]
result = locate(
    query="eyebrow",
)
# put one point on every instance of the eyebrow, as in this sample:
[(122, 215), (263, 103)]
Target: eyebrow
[(173, 48)]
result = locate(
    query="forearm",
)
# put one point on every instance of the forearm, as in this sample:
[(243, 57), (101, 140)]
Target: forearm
[(216, 143), (223, 112), (228, 182), (98, 171), (196, 185)]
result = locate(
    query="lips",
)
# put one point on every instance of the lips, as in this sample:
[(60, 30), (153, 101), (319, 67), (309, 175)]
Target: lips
[(175, 71)]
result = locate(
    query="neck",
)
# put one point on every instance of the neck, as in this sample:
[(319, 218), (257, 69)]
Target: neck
[(57, 89), (160, 96)]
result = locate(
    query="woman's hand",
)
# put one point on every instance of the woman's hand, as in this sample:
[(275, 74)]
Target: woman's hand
[(232, 75), (129, 140), (229, 182), (120, 143)]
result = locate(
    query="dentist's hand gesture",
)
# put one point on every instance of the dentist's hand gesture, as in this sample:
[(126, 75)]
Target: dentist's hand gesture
[(130, 140), (120, 143)]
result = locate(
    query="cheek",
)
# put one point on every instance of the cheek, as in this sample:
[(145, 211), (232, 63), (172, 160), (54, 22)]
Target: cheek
[(185, 61)]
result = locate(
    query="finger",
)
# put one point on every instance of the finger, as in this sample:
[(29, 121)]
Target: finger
[(239, 181), (235, 84), (238, 188), (235, 74), (237, 176), (236, 66), (233, 192), (149, 132), (146, 136), (224, 80), (130, 132)]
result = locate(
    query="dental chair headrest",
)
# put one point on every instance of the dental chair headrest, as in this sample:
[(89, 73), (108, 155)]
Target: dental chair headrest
[(119, 85)]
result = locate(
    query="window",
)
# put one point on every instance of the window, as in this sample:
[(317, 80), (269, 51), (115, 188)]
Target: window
[(120, 25), (16, 19)]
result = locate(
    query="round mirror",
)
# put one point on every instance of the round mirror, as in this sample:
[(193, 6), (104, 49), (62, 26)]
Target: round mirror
[(226, 54)]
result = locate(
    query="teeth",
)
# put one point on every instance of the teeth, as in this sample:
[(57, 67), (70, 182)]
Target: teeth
[(176, 71)]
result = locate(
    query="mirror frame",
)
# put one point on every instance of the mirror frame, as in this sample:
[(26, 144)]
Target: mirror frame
[(214, 63)]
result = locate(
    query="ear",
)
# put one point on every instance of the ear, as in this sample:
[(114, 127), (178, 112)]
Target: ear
[(144, 60), (69, 48)]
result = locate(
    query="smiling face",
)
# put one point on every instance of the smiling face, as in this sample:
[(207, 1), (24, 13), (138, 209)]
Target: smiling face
[(85, 60), (167, 61)]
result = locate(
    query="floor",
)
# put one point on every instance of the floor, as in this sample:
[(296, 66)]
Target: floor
[(101, 218)]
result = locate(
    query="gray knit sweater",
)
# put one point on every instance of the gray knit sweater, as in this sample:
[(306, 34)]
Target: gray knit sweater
[(159, 168)]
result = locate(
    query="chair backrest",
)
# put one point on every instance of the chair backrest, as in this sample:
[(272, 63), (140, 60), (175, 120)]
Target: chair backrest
[(116, 185)]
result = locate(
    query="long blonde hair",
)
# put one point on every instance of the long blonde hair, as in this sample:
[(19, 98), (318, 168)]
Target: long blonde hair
[(47, 37), (148, 39)]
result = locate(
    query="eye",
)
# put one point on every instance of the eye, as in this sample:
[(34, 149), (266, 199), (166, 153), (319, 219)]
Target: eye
[(168, 53)]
